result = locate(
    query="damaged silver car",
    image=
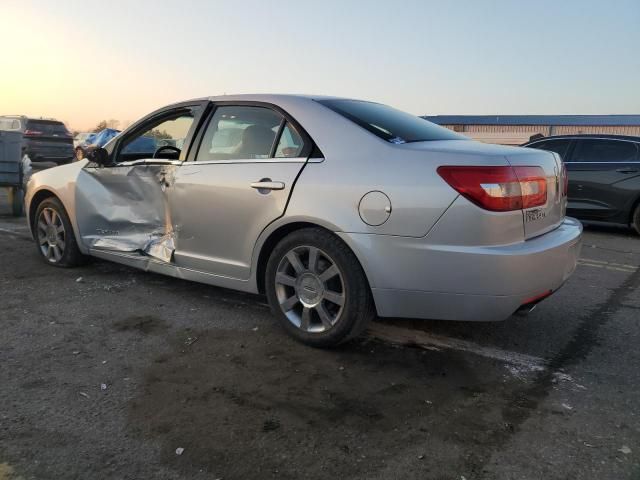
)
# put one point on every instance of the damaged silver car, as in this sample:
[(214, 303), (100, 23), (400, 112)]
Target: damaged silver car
[(336, 209)]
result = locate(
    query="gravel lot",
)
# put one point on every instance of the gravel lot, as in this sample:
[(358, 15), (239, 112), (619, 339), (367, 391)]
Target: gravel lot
[(105, 372)]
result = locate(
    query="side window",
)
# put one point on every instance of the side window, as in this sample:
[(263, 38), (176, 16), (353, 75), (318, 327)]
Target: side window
[(169, 131), (240, 132), (290, 144), (558, 146), (9, 124), (605, 151)]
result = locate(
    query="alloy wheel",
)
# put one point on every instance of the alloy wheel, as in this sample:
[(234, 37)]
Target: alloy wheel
[(51, 235), (310, 289)]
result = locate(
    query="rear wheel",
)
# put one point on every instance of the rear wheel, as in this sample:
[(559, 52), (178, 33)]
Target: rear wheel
[(317, 288), (55, 239), (635, 221)]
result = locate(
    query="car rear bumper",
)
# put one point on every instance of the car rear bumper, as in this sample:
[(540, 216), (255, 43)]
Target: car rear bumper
[(412, 278), (50, 154)]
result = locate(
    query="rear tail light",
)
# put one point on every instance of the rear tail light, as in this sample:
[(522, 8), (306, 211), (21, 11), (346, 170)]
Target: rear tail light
[(565, 180), (32, 133), (500, 188)]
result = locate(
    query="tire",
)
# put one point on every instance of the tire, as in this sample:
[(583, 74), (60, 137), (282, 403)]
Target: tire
[(321, 303), (55, 240), (635, 220), (16, 199)]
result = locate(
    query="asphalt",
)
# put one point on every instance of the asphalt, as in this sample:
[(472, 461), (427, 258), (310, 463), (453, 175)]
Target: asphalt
[(107, 372)]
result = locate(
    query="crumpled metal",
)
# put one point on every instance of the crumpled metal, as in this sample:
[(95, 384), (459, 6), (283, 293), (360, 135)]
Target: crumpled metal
[(125, 209), (162, 247)]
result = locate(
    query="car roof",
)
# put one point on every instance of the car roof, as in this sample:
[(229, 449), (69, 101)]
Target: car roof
[(278, 99), (602, 136), (271, 97), (38, 119)]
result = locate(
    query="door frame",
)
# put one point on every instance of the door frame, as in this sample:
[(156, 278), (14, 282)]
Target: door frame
[(113, 146)]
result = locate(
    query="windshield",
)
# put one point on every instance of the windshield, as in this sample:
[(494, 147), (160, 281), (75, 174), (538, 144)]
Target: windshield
[(394, 126)]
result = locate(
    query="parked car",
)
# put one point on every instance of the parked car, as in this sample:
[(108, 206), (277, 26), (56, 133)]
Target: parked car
[(101, 138), (92, 141), (337, 209), (83, 138), (604, 175), (43, 140)]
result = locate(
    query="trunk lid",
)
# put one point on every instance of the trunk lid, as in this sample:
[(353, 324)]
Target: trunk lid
[(544, 218), (535, 220)]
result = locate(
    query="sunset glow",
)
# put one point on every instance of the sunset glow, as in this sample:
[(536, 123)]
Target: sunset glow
[(83, 62)]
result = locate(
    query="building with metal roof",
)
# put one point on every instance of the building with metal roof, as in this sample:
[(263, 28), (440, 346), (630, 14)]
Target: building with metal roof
[(517, 129)]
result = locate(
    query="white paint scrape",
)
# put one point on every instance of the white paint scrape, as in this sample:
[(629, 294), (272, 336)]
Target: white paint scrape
[(429, 341)]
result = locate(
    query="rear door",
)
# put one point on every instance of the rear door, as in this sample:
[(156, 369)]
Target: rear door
[(236, 183), (598, 169)]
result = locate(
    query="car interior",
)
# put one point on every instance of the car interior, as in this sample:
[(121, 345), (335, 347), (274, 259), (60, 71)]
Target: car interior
[(162, 141), (234, 132), (240, 132)]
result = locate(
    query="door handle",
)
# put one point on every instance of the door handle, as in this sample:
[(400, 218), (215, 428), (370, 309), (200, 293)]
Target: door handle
[(267, 184), (627, 170)]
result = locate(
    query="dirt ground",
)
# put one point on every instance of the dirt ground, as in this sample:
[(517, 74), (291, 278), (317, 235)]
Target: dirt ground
[(106, 373)]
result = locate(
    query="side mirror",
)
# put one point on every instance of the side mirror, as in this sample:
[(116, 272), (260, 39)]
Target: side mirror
[(99, 156)]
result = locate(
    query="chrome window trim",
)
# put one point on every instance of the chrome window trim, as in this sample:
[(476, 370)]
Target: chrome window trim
[(606, 163), (258, 160), (147, 161), (542, 140), (552, 139)]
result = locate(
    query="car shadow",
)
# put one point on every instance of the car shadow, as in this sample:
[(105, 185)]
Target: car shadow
[(608, 229)]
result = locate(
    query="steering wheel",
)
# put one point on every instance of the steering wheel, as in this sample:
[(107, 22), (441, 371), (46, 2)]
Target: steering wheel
[(166, 147)]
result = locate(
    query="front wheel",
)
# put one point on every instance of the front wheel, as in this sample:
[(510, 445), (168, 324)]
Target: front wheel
[(317, 288), (55, 239)]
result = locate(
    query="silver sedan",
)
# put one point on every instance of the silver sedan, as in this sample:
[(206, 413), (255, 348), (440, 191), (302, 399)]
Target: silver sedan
[(336, 209)]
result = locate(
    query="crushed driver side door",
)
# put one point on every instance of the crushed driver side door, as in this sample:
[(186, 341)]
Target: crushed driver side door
[(123, 208)]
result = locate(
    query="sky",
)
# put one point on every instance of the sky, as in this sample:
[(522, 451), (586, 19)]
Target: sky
[(85, 61)]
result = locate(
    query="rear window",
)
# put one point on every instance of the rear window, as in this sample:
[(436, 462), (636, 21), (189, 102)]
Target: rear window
[(47, 128), (558, 146), (394, 126)]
